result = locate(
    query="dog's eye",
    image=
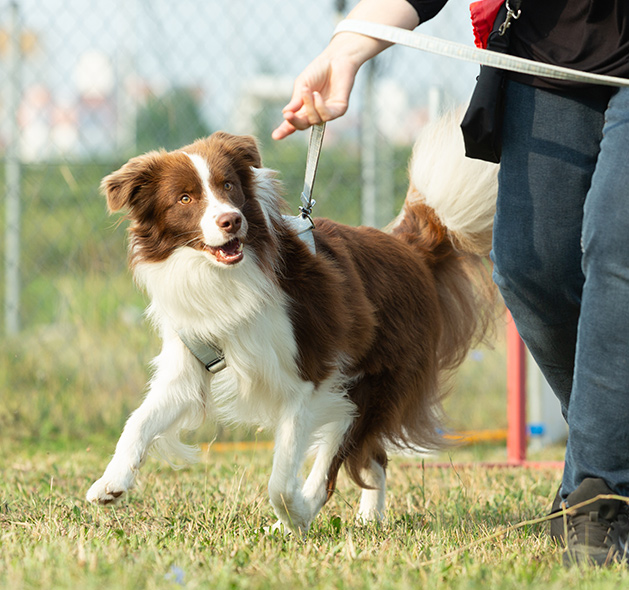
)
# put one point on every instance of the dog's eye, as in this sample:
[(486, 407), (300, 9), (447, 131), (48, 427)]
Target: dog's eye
[(185, 199), (228, 186)]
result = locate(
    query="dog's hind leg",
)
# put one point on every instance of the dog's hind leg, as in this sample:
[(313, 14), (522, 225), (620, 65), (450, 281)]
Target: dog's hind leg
[(321, 481), (169, 401)]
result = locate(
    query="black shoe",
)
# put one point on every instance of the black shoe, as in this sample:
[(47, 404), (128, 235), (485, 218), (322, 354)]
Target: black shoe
[(596, 533), (557, 523)]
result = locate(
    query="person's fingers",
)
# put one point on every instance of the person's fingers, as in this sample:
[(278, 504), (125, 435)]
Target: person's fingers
[(295, 104), (296, 114), (309, 108), (328, 109), (299, 120), (305, 117), (315, 110), (320, 94), (296, 101), (283, 130)]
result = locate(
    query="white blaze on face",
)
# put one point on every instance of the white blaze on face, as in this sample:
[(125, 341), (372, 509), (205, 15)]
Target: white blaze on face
[(212, 234)]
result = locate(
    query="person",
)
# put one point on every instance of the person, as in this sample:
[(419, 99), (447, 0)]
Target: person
[(561, 231)]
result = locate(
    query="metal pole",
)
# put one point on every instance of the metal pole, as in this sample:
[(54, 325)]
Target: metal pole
[(368, 150), (386, 181), (13, 178), (516, 395), (435, 103), (126, 79)]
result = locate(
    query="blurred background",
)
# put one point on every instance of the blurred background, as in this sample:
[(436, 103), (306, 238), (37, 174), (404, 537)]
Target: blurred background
[(88, 84)]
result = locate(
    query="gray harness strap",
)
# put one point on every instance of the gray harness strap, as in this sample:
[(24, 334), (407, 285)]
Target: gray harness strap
[(207, 354)]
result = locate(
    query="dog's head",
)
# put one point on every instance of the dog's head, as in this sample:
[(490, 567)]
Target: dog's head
[(203, 196)]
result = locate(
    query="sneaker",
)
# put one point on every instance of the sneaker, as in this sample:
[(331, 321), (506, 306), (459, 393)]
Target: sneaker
[(557, 523), (596, 533)]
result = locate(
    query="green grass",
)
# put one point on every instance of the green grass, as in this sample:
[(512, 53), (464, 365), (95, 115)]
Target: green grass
[(203, 527)]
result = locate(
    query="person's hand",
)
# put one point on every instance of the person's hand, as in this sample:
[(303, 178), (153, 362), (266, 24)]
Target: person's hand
[(320, 93)]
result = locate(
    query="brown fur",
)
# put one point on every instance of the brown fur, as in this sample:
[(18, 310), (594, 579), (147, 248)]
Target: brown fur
[(403, 308)]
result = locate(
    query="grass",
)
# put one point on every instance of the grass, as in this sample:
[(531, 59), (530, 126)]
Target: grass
[(203, 527), (64, 403)]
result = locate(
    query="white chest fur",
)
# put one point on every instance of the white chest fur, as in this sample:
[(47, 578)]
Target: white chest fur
[(243, 312)]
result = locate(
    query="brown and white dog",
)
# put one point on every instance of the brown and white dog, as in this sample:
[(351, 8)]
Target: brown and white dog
[(341, 352)]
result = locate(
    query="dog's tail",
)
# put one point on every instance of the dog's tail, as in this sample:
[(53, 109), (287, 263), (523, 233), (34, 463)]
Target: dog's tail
[(448, 215), (459, 190)]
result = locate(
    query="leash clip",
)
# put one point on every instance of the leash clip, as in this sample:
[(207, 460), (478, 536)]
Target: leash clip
[(511, 15), (307, 207)]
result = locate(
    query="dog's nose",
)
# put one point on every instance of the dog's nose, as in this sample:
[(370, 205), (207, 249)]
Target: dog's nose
[(229, 222)]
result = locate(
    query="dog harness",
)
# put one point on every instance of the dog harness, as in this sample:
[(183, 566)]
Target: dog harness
[(210, 356)]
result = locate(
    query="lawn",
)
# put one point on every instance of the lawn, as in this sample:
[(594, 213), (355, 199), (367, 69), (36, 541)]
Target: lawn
[(67, 389), (203, 527)]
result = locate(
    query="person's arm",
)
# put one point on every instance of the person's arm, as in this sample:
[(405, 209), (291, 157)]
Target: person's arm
[(321, 92)]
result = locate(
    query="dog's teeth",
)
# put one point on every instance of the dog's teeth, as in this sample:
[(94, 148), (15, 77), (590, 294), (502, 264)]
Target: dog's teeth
[(240, 247)]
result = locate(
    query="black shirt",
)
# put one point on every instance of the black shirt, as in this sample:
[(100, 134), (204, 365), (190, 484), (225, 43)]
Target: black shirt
[(586, 35)]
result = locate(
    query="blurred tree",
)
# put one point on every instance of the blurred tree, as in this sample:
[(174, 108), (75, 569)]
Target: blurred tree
[(170, 120)]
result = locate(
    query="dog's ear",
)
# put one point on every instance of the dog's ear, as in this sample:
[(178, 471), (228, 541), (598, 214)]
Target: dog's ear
[(121, 186), (242, 148), (246, 147)]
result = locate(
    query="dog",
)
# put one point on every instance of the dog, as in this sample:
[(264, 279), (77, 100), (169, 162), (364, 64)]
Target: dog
[(342, 352)]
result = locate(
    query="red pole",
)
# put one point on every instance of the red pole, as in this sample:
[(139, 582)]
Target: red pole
[(516, 395)]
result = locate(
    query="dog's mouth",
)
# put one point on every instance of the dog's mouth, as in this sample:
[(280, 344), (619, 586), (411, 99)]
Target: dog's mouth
[(229, 253)]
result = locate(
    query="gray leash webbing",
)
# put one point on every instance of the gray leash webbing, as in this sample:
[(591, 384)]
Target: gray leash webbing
[(303, 223), (473, 54), (312, 161)]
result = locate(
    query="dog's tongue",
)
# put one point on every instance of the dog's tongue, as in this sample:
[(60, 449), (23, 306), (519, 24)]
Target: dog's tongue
[(229, 253)]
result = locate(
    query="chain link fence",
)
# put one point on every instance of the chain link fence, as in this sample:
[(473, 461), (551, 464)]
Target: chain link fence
[(86, 85)]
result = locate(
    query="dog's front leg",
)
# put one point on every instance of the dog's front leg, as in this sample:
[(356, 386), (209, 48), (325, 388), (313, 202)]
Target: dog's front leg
[(291, 443), (171, 395)]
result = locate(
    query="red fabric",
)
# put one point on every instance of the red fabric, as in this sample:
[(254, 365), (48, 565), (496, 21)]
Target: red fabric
[(483, 15)]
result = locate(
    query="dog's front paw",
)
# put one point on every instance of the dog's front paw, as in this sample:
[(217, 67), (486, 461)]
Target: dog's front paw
[(108, 490), (292, 512), (277, 529)]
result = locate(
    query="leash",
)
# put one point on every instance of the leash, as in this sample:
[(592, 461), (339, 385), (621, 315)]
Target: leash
[(303, 223), (483, 57), (312, 161)]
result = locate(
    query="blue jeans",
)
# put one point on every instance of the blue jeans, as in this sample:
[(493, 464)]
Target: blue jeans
[(561, 261)]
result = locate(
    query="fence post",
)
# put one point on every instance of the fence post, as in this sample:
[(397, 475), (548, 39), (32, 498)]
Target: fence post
[(13, 176), (368, 157)]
